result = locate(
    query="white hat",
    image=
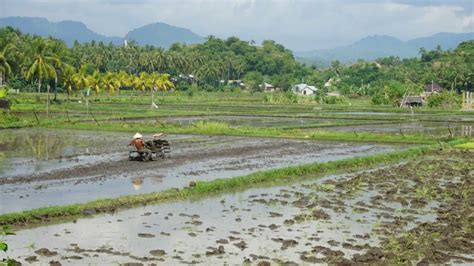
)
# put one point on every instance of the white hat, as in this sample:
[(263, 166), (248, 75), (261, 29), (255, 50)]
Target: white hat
[(137, 136)]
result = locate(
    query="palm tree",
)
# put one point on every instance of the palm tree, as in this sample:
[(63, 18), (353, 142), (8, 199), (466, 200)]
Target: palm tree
[(110, 82), (122, 79), (209, 72), (81, 78), (59, 50), (41, 66), (160, 59), (67, 78), (5, 62), (239, 67), (95, 80), (159, 82), (132, 80)]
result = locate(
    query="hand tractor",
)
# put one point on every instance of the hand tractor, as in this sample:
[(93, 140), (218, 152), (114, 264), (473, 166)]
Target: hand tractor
[(157, 148)]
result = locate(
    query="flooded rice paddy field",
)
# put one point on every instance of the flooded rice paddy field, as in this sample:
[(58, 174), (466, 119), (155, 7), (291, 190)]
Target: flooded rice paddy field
[(57, 167), (258, 121), (415, 212), (457, 127), (427, 128)]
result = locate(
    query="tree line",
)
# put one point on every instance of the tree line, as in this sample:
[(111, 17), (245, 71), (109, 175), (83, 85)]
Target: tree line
[(27, 61)]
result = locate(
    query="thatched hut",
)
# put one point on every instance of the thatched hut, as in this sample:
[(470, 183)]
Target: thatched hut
[(4, 104), (412, 101)]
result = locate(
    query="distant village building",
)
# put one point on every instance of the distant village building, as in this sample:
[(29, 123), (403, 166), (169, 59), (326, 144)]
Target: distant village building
[(304, 89), (330, 83), (267, 87), (467, 101), (189, 79), (412, 101), (333, 94), (237, 82), (430, 89), (4, 104), (433, 87)]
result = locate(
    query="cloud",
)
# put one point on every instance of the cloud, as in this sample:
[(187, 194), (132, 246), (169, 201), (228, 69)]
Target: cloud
[(466, 6), (298, 24)]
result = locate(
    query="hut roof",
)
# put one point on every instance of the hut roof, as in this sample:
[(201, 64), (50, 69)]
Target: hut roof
[(413, 99), (432, 87)]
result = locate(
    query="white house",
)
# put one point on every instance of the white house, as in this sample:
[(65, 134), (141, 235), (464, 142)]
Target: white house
[(304, 89), (237, 82), (266, 87)]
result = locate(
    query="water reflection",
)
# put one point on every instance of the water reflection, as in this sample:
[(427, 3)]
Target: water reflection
[(467, 131), (137, 182), (27, 151), (44, 145)]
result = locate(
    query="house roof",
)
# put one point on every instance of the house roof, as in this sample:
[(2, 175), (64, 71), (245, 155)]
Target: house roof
[(266, 85), (413, 99), (334, 94), (430, 87), (302, 86)]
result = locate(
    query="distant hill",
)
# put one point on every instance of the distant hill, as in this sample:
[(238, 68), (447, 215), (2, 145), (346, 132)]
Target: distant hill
[(68, 31), (163, 35), (158, 34), (373, 47), (444, 39)]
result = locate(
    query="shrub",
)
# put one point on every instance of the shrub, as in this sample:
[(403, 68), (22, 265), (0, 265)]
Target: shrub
[(444, 99), (379, 99), (3, 93), (333, 100)]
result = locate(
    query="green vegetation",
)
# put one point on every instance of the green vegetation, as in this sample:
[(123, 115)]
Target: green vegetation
[(5, 231), (215, 65), (205, 188), (469, 145), (219, 128), (445, 100)]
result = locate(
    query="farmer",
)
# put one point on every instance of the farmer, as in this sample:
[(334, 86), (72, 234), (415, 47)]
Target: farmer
[(140, 146), (138, 142)]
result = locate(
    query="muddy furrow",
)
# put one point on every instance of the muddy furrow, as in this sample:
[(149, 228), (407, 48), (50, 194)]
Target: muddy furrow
[(125, 166)]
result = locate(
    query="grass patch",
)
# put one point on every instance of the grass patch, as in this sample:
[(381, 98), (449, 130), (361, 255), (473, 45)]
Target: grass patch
[(205, 188), (468, 145), (219, 128)]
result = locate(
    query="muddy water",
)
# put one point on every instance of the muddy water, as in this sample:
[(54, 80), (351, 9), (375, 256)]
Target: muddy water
[(427, 128), (28, 151), (86, 176), (186, 231), (327, 220)]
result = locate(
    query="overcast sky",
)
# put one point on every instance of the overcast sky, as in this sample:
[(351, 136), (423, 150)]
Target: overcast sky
[(298, 24)]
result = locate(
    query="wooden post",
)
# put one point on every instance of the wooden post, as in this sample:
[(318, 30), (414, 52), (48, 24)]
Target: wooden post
[(467, 101), (67, 113), (36, 116), (97, 122), (47, 101)]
